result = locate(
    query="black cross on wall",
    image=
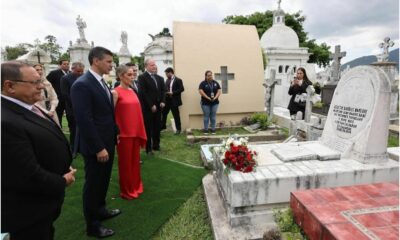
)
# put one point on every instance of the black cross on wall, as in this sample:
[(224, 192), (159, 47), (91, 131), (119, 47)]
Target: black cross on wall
[(224, 76)]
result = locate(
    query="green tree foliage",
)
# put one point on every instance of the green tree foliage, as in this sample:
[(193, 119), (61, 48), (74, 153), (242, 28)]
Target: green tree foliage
[(116, 59), (139, 61), (263, 21), (52, 47), (13, 52)]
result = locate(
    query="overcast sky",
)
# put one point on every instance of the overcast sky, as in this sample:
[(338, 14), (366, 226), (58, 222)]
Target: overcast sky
[(357, 25)]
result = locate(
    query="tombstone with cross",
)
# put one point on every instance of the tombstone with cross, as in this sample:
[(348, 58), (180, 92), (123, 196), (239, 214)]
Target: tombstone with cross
[(336, 56), (269, 85), (384, 56), (224, 76)]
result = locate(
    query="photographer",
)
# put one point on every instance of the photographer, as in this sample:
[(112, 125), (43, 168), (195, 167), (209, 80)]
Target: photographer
[(298, 92)]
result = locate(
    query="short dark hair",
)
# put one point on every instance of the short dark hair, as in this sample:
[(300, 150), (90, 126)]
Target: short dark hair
[(98, 52), (169, 70), (11, 71), (130, 64), (62, 60)]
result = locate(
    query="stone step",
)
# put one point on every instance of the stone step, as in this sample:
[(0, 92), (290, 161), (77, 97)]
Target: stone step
[(354, 212)]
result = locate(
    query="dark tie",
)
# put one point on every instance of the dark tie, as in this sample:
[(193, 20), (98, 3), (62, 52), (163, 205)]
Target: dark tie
[(106, 89), (154, 78)]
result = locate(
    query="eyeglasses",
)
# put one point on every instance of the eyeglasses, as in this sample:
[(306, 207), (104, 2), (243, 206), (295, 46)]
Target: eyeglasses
[(37, 82)]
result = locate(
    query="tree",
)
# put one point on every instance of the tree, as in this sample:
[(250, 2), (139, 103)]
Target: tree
[(52, 47), (263, 21), (18, 50), (139, 61)]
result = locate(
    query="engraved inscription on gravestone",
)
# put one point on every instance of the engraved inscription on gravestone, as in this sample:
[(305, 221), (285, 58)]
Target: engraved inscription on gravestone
[(353, 109)]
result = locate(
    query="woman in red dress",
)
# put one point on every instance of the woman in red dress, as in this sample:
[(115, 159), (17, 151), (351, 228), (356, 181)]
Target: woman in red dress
[(132, 137)]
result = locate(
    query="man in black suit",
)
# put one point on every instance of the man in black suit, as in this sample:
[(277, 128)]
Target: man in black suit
[(152, 91), (54, 78), (66, 84), (96, 138), (35, 157), (173, 99)]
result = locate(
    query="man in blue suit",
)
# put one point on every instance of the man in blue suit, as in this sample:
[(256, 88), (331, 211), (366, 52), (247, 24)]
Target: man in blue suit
[(96, 138)]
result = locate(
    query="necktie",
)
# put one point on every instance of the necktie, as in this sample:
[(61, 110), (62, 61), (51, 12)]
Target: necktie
[(106, 89), (38, 112), (154, 78)]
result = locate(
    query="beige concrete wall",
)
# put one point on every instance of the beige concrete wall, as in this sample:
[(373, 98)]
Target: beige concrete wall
[(199, 47)]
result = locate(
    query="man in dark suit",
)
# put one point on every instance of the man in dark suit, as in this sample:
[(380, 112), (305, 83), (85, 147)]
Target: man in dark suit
[(66, 84), (96, 138), (174, 88), (35, 157), (152, 91), (54, 78)]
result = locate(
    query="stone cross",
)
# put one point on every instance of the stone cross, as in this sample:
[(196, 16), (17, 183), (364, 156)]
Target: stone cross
[(279, 4), (307, 114), (384, 57), (336, 56), (81, 26), (269, 92), (224, 76)]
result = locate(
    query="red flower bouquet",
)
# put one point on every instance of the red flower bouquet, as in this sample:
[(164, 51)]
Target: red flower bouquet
[(239, 158)]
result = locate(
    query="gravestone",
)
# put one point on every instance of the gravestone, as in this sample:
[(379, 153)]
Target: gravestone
[(359, 115), (201, 46), (351, 151), (269, 92), (329, 87)]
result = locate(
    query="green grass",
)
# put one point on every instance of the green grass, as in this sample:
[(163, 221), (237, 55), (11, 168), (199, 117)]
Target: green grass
[(393, 141), (224, 131), (191, 221), (167, 186), (175, 147)]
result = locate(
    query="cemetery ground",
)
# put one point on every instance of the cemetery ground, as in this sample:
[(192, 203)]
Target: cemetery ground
[(172, 205)]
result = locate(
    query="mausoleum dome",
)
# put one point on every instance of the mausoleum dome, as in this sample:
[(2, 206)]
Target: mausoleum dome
[(279, 36)]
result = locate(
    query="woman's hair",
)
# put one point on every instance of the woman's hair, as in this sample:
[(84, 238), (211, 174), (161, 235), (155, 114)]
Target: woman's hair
[(38, 64), (305, 75), (207, 72), (121, 70)]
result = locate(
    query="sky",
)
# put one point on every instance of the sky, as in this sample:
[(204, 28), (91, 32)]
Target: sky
[(357, 25)]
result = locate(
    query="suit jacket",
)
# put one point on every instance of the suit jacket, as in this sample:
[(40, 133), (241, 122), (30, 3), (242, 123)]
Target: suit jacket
[(54, 78), (177, 88), (151, 94), (94, 114), (35, 155), (65, 88)]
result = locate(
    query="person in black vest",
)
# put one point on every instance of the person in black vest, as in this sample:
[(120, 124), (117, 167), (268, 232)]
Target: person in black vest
[(54, 78), (174, 88), (66, 84), (298, 92), (152, 91)]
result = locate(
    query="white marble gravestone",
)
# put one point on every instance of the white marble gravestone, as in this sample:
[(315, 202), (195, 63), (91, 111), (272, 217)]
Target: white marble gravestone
[(352, 151), (358, 118)]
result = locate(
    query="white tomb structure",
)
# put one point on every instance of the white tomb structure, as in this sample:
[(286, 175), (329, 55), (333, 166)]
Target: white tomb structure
[(352, 151), (280, 44), (38, 55), (160, 50)]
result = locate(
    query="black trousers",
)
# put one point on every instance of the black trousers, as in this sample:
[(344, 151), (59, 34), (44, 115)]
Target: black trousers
[(97, 179), (60, 110), (175, 113), (42, 229), (152, 122), (71, 127)]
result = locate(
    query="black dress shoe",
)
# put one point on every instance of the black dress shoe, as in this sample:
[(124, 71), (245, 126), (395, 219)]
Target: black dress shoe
[(156, 149), (110, 214), (100, 232)]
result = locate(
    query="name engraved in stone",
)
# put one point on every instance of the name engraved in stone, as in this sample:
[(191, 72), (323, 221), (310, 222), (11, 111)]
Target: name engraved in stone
[(347, 118)]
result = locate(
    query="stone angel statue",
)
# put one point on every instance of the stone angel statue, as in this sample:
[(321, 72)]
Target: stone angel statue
[(81, 26)]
